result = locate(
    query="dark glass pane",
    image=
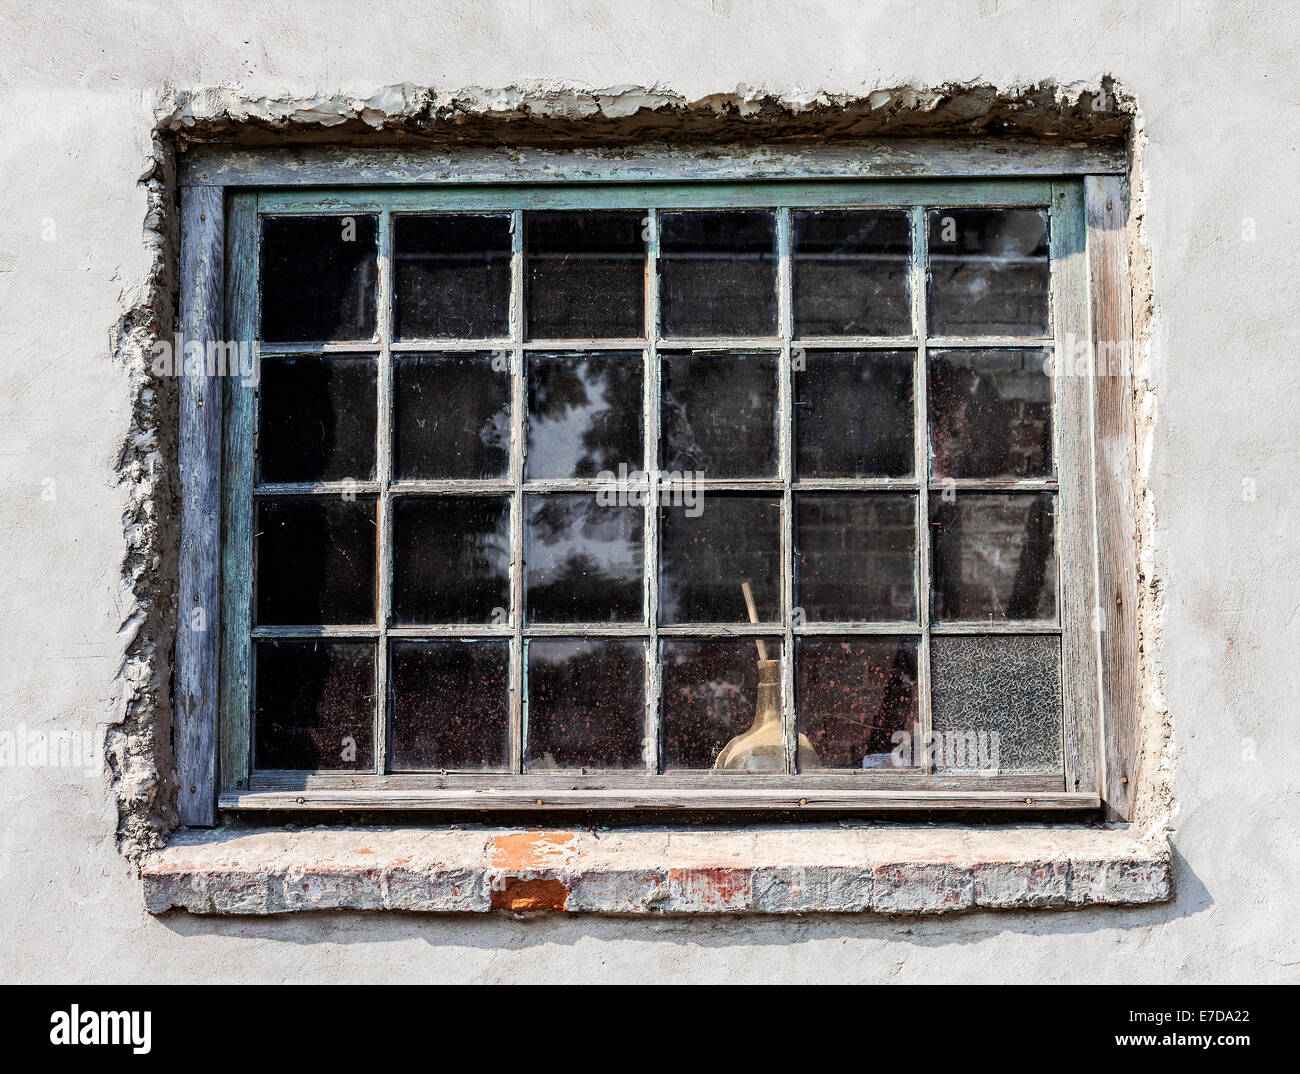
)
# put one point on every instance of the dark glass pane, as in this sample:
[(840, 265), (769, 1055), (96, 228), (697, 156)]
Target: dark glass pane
[(854, 695), (988, 272), (854, 414), (317, 419), (316, 560), (451, 705), (586, 704), (319, 278), (705, 560), (990, 413), (852, 273), (717, 273), (855, 556), (996, 703), (711, 694), (993, 556), (719, 414), (451, 559), (452, 416), (586, 275), (584, 560), (584, 414), (451, 277), (315, 705)]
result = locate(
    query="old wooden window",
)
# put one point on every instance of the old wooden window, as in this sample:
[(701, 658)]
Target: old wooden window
[(666, 495)]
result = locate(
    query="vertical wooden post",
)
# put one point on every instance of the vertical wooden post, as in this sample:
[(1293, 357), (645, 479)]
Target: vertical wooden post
[(198, 584), (1106, 199)]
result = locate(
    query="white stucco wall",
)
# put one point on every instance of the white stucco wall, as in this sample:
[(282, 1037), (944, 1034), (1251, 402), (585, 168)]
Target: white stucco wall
[(1221, 111)]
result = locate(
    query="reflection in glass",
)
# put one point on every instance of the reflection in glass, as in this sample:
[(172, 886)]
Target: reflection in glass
[(584, 560), (717, 273), (319, 278), (586, 704), (586, 275), (988, 272), (719, 414), (852, 273), (451, 705), (993, 556), (705, 560), (451, 416), (853, 695), (855, 556), (990, 413), (853, 414), (584, 414), (996, 703), (317, 419), (451, 559), (314, 705), (315, 560), (710, 691), (451, 276)]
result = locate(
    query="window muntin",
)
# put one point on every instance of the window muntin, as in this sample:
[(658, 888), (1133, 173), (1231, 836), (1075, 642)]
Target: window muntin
[(764, 494)]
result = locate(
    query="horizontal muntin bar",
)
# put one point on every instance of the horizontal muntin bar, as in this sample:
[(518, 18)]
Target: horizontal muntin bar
[(317, 488), (994, 484), (335, 347), (473, 631), (604, 779), (502, 486), (799, 797), (936, 343), (676, 343), (1010, 626)]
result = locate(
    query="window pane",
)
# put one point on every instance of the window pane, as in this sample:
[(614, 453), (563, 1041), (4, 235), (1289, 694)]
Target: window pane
[(451, 416), (584, 560), (586, 704), (711, 693), (854, 414), (988, 272), (719, 414), (990, 413), (315, 560), (705, 559), (451, 705), (317, 419), (993, 556), (717, 273), (319, 277), (852, 273), (584, 414), (451, 559), (586, 275), (315, 705), (853, 695), (855, 556), (996, 703), (451, 277)]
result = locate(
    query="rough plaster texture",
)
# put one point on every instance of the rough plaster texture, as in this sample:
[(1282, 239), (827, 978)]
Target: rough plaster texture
[(85, 532)]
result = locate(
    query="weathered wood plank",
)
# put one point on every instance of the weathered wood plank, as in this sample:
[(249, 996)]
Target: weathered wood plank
[(237, 504), (679, 800), (902, 158), (828, 193), (1116, 447), (198, 584), (1075, 507)]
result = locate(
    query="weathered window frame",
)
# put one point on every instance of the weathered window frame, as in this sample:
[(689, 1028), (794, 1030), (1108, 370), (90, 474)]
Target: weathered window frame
[(222, 192)]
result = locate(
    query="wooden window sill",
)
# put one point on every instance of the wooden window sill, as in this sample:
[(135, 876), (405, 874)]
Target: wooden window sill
[(761, 870)]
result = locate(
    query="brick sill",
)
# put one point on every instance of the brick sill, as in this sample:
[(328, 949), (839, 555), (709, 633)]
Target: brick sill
[(771, 870)]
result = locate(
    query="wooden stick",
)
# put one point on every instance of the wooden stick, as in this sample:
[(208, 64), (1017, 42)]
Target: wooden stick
[(753, 618)]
